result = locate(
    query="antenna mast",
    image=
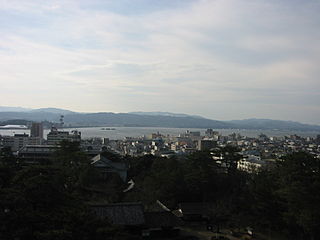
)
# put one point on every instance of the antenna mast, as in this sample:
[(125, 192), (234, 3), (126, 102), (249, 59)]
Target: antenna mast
[(61, 121)]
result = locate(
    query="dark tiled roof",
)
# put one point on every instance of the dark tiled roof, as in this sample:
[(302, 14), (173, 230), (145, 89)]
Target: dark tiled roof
[(161, 219), (121, 213), (195, 208)]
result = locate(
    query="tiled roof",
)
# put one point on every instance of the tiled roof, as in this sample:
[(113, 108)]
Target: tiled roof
[(121, 213)]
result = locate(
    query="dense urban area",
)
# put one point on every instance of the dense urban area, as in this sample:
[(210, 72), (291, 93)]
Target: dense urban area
[(189, 186)]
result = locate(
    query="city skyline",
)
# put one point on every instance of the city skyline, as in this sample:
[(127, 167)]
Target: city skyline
[(223, 60)]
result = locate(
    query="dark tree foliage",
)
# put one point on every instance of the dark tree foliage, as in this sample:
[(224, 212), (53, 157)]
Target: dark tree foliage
[(49, 201), (200, 175), (41, 202), (139, 167), (284, 199), (196, 178), (264, 202), (287, 198), (299, 191), (75, 165), (8, 166), (229, 157)]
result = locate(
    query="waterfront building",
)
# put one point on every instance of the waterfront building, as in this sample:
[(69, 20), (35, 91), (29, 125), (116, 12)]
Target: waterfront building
[(55, 136)]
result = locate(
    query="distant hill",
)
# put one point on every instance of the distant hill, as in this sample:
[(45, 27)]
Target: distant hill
[(165, 114), (31, 116), (269, 124), (149, 119), (14, 109), (16, 122), (116, 119), (53, 110), (21, 109), (137, 120)]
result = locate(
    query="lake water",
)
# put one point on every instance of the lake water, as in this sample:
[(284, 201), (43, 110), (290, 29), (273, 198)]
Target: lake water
[(121, 132)]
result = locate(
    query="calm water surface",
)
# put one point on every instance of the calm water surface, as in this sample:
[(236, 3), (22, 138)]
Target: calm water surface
[(121, 132)]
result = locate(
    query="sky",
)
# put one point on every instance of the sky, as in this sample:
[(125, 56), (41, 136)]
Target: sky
[(221, 59)]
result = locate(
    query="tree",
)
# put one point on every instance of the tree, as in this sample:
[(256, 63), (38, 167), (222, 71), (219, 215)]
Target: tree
[(37, 204), (299, 189), (200, 176), (229, 156), (74, 164)]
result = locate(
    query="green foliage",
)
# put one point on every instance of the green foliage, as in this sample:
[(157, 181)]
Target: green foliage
[(299, 189), (140, 166), (285, 198), (164, 181), (45, 201), (200, 172), (196, 178), (8, 166), (7, 158), (75, 165), (48, 201), (265, 204), (229, 157), (37, 205)]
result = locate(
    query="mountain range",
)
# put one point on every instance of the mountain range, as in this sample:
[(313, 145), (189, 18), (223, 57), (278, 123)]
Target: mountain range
[(143, 119)]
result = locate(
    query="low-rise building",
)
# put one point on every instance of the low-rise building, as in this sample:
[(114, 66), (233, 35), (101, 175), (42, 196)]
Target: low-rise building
[(250, 163), (36, 153), (55, 136), (20, 140)]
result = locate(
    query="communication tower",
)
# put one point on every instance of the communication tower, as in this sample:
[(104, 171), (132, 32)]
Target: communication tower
[(61, 121)]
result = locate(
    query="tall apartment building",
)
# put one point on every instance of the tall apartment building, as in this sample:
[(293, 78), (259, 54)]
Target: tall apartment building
[(36, 130), (36, 133)]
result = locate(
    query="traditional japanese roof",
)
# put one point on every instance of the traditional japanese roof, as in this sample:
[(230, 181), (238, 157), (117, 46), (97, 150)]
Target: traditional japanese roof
[(161, 219), (121, 213), (194, 208), (101, 161)]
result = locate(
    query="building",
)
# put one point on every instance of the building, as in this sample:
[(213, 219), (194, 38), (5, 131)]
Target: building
[(160, 224), (108, 168), (251, 163), (35, 140), (212, 134), (19, 141), (123, 214), (55, 136), (194, 211), (36, 130), (206, 144), (36, 153), (7, 141)]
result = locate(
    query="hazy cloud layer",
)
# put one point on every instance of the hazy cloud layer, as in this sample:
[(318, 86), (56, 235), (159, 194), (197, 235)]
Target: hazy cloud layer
[(223, 59)]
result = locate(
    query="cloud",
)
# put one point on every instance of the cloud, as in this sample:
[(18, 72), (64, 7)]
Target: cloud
[(174, 56)]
